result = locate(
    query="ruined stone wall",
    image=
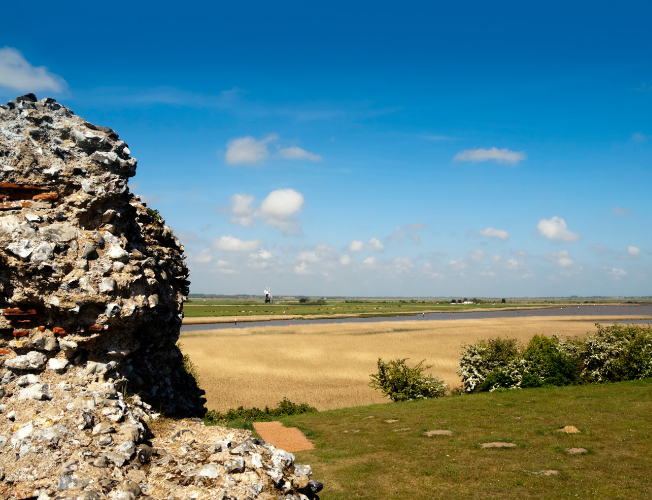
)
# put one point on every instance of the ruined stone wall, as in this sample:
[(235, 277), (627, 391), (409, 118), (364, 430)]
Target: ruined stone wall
[(92, 285), (87, 272)]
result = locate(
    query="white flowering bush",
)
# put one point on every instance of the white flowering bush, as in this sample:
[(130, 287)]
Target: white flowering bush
[(401, 382), (613, 353), (480, 359)]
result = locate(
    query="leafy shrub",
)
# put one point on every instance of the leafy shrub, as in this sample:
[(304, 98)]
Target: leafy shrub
[(189, 366), (480, 359), (541, 363), (613, 353), (247, 415), (400, 382)]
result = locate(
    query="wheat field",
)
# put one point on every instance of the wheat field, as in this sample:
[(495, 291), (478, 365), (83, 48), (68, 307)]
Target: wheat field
[(328, 366)]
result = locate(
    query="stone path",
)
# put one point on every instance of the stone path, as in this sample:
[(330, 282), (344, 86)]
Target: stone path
[(289, 439)]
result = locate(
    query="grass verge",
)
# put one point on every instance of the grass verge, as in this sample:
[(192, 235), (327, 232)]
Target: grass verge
[(397, 461)]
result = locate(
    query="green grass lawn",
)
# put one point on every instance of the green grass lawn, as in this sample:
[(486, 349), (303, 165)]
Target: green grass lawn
[(198, 308), (383, 462)]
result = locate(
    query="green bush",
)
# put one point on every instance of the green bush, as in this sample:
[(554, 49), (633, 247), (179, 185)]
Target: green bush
[(480, 359), (614, 353), (247, 415), (400, 382)]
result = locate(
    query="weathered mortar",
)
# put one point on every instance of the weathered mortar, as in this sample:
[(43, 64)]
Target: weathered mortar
[(87, 272)]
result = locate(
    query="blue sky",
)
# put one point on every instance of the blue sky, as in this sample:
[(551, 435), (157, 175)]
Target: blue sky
[(371, 148)]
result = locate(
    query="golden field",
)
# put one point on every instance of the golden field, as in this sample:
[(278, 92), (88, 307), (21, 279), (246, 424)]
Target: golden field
[(328, 365)]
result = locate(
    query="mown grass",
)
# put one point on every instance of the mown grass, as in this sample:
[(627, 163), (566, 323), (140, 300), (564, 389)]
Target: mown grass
[(615, 421)]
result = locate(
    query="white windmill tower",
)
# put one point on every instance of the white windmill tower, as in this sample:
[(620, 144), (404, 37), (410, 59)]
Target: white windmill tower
[(268, 295)]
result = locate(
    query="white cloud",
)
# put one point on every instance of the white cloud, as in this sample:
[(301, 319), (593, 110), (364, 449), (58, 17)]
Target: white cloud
[(632, 250), (369, 261), (476, 255), (562, 258), (490, 232), (403, 264), (375, 245), (409, 230), (495, 154), (262, 254), (247, 150), (308, 256), (18, 74), (356, 246), (302, 269), (204, 256), (622, 211), (556, 229), (232, 244), (512, 264), (243, 210), (345, 260), (639, 137), (458, 264), (279, 209), (617, 273), (295, 153)]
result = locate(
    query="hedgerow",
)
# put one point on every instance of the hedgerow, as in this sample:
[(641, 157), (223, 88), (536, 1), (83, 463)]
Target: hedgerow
[(614, 353)]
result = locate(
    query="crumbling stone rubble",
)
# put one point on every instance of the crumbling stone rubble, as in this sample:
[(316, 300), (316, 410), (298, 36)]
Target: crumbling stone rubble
[(92, 285)]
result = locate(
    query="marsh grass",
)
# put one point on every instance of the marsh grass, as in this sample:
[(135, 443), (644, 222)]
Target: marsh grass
[(328, 366), (615, 422)]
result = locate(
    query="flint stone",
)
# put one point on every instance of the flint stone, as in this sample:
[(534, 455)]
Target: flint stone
[(103, 428), (58, 233), (26, 380), (23, 432), (210, 471), (218, 446), (65, 483), (34, 392), (57, 365), (237, 465), (129, 486), (282, 458), (68, 347), (89, 251), (54, 433), (21, 249), (112, 310), (118, 253), (101, 462), (107, 285), (42, 253), (117, 458), (33, 360), (127, 449), (33, 218)]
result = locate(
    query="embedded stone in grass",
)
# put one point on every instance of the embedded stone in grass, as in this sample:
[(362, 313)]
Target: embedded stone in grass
[(390, 421), (370, 416), (569, 429), (498, 444), (438, 432), (550, 472), (576, 451), (401, 429)]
